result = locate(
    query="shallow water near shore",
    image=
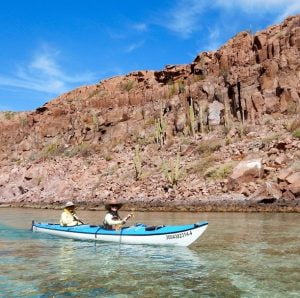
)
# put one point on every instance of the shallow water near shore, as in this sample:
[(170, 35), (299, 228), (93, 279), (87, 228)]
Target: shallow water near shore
[(239, 255)]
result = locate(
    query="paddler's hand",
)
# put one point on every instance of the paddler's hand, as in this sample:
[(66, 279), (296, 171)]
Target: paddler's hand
[(127, 217)]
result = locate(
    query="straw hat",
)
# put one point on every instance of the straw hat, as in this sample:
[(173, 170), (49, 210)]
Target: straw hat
[(69, 204), (112, 202)]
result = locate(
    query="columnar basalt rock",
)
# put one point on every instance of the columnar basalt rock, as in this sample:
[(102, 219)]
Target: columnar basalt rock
[(251, 77)]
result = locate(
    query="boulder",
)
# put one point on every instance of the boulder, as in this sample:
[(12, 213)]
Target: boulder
[(246, 171), (268, 190), (294, 181), (294, 178), (284, 173)]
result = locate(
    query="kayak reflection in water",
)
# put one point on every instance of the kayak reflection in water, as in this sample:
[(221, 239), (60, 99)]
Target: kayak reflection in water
[(68, 217), (112, 220)]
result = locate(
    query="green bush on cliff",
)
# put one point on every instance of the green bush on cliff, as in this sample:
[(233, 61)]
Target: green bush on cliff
[(293, 125), (50, 150), (292, 108), (204, 163), (296, 133), (83, 149), (9, 115), (220, 172), (127, 86), (198, 77), (181, 86), (209, 146), (172, 89), (269, 138), (172, 171)]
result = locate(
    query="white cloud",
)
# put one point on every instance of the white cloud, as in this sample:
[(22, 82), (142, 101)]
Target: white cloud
[(142, 27), (134, 46), (43, 73), (261, 6), (214, 41), (185, 17), (291, 9)]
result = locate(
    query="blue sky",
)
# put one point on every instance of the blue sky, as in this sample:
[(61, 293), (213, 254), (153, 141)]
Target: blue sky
[(52, 46)]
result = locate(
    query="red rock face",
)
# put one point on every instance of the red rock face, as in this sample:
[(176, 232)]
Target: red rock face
[(251, 76)]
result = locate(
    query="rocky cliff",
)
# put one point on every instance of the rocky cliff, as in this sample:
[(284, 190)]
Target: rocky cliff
[(221, 133)]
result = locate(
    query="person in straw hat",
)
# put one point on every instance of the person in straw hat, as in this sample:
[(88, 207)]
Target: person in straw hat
[(69, 217), (112, 220)]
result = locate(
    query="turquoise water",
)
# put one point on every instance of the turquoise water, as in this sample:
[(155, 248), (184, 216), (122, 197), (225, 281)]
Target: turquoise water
[(239, 255)]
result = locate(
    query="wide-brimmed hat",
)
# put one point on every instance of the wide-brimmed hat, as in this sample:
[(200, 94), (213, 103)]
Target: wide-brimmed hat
[(69, 204), (112, 203)]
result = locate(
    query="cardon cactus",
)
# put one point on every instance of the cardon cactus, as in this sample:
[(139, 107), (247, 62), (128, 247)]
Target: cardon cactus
[(160, 129), (137, 163)]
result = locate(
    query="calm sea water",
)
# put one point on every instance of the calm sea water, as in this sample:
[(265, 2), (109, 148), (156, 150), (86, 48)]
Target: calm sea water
[(239, 255)]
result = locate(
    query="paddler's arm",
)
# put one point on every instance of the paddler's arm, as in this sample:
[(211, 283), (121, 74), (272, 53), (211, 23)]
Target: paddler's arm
[(77, 219)]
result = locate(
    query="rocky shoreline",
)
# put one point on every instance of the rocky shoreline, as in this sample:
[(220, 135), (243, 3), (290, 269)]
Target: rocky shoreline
[(237, 203)]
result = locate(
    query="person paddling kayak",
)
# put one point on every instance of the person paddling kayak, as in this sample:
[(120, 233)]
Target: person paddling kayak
[(112, 220), (69, 217)]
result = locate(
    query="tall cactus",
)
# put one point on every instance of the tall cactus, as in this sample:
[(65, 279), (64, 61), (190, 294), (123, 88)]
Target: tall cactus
[(160, 129), (201, 119), (95, 122), (137, 163), (173, 172), (192, 118), (226, 116)]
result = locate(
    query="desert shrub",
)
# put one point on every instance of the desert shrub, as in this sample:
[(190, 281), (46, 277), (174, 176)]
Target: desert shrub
[(149, 122), (209, 146), (146, 140), (172, 89), (50, 150), (292, 107), (219, 172), (268, 120), (181, 86), (293, 125), (269, 138), (296, 133), (9, 115), (107, 156), (203, 164), (172, 170), (243, 130), (127, 86), (198, 77), (83, 149)]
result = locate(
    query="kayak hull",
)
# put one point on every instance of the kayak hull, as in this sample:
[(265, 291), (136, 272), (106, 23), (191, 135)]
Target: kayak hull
[(139, 234)]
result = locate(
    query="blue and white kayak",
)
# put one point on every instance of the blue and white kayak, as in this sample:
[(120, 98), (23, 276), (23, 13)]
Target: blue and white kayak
[(183, 235)]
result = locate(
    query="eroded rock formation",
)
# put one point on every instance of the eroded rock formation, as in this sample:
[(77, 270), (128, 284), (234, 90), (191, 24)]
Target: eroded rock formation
[(82, 144)]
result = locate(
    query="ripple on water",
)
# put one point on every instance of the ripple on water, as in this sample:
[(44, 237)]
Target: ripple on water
[(257, 256)]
